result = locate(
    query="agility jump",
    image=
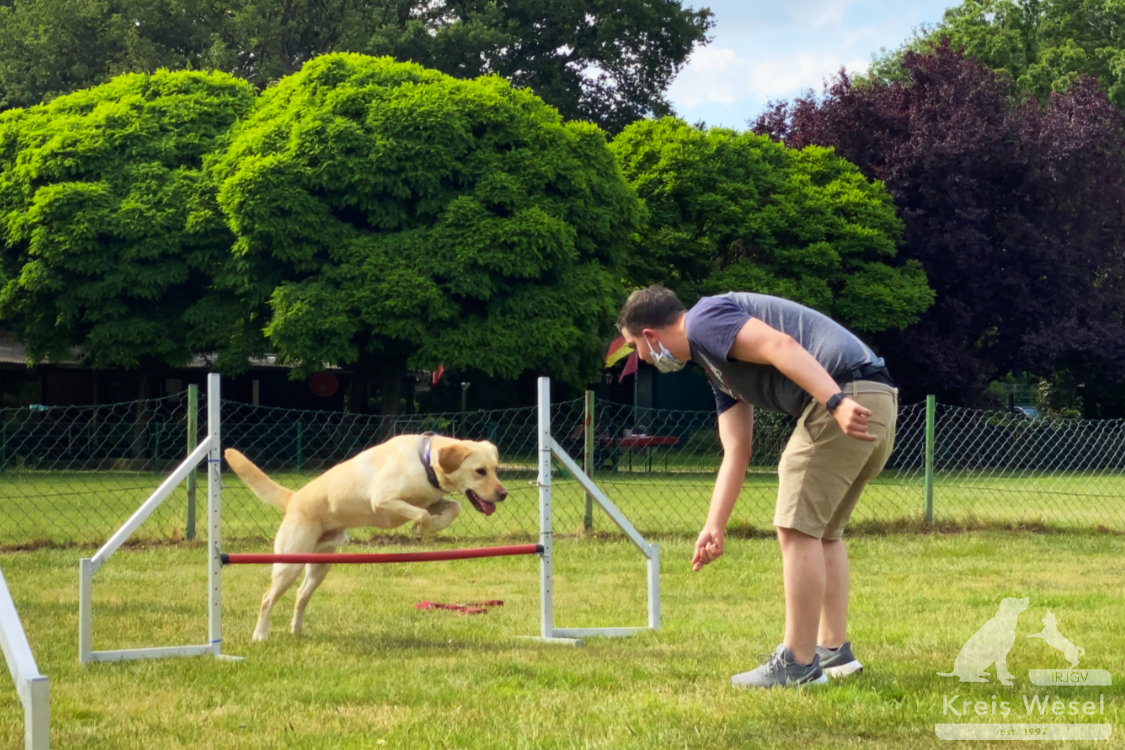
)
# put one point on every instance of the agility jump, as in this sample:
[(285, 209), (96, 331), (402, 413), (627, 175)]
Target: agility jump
[(209, 451)]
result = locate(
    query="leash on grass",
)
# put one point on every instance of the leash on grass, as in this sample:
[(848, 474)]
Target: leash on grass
[(468, 608)]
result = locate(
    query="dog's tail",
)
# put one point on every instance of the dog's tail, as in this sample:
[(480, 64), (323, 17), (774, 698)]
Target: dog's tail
[(265, 488)]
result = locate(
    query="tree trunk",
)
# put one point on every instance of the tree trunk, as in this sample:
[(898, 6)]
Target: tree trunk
[(390, 391), (142, 419), (357, 401)]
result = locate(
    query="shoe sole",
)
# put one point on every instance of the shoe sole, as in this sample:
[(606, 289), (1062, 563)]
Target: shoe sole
[(822, 680), (852, 667)]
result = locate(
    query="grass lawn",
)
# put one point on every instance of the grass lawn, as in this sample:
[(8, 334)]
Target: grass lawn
[(372, 671)]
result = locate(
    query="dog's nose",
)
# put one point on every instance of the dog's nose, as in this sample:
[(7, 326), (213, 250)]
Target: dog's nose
[(502, 494)]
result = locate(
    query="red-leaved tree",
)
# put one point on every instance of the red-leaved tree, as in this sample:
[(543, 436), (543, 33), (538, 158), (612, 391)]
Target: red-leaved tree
[(1016, 212)]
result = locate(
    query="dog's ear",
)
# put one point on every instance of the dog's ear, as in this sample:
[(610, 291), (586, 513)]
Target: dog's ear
[(452, 456)]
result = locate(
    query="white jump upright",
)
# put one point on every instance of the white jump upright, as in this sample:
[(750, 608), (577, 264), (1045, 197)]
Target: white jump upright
[(209, 449), (33, 688), (548, 447)]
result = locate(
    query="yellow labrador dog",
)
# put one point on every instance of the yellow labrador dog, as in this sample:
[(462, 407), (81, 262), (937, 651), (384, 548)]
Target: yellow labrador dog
[(404, 479)]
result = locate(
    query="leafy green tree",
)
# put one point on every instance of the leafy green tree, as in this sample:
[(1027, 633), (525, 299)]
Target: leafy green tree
[(597, 60), (729, 210), (1044, 45), (52, 47), (100, 198), (391, 217)]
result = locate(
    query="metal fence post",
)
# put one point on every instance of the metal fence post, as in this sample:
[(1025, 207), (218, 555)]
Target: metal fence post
[(931, 408), (588, 457), (192, 441)]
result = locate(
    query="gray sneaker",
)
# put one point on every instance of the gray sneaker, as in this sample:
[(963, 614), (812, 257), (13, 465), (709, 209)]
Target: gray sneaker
[(779, 669), (838, 662)]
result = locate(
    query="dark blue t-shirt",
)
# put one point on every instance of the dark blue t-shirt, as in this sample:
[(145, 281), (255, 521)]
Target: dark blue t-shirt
[(714, 322)]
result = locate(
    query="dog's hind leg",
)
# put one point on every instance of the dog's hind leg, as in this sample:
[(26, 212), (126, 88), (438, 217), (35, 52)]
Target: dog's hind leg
[(283, 576), (314, 576), (291, 538)]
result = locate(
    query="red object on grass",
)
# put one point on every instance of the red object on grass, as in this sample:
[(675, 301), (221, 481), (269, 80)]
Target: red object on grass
[(468, 608)]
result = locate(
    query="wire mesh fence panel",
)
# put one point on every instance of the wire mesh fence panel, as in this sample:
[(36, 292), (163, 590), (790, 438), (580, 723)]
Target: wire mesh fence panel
[(993, 466), (73, 475)]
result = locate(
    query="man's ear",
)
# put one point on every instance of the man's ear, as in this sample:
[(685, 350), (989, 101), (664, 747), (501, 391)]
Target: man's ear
[(452, 456)]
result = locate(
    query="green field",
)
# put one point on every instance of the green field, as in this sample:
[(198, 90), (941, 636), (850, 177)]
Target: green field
[(372, 671)]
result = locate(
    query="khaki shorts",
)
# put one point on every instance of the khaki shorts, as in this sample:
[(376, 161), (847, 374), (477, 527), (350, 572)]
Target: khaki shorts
[(823, 471)]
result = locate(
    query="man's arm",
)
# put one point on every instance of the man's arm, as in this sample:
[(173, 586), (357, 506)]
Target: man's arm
[(736, 433), (762, 344)]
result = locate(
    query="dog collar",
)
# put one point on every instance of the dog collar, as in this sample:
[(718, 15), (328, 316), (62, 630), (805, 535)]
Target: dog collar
[(424, 457)]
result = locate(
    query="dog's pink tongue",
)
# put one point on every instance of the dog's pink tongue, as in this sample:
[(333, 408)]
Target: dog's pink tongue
[(481, 504)]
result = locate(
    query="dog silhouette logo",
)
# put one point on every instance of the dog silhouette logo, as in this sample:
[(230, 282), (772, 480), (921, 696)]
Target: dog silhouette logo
[(1050, 633), (989, 646)]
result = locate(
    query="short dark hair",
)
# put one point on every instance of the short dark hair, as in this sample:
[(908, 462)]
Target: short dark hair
[(652, 307)]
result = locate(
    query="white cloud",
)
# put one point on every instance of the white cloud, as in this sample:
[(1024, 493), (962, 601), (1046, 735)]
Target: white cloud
[(826, 14), (807, 70), (723, 76), (714, 75), (775, 51)]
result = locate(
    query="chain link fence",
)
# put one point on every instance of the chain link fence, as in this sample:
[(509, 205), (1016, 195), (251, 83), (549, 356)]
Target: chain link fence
[(73, 475)]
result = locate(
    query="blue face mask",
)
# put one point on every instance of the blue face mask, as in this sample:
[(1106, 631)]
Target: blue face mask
[(663, 360)]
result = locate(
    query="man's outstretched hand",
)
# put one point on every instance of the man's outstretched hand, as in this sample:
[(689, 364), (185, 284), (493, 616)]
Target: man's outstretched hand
[(708, 548)]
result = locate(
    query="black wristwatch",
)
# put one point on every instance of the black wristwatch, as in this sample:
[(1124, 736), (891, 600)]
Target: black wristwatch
[(835, 401)]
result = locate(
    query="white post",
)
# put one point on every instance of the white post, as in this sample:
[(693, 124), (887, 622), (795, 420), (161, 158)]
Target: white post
[(547, 615), (85, 610), (33, 688), (653, 562), (37, 714), (214, 525)]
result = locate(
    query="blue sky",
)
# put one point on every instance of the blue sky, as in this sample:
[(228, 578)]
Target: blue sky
[(774, 50)]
